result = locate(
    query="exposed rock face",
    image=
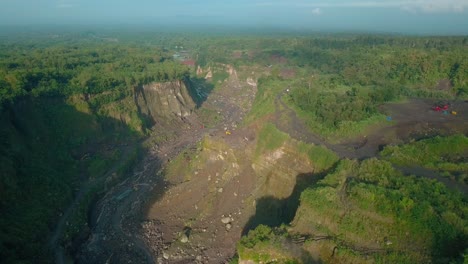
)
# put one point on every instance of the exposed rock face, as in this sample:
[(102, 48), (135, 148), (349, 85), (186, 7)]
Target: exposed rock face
[(209, 74), (251, 82), (164, 100), (199, 70), (277, 170), (231, 70)]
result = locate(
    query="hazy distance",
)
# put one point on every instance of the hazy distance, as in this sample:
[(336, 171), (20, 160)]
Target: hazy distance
[(437, 17)]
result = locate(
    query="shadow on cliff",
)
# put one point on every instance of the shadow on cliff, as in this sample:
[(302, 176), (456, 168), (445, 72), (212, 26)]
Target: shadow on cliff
[(160, 102), (48, 151), (199, 89), (274, 212)]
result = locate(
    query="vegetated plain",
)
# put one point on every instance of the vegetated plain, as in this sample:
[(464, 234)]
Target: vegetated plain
[(71, 128)]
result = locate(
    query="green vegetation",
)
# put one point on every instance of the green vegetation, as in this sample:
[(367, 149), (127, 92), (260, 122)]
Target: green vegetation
[(67, 117), (447, 155), (91, 69), (321, 157), (265, 245), (270, 138), (181, 166), (369, 209), (210, 118), (264, 104), (336, 114), (46, 151), (372, 202), (366, 60), (363, 211), (219, 76), (338, 83)]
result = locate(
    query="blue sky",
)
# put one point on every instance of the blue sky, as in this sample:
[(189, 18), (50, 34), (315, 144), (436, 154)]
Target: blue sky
[(406, 16)]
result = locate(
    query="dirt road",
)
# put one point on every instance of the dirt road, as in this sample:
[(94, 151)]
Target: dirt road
[(411, 120)]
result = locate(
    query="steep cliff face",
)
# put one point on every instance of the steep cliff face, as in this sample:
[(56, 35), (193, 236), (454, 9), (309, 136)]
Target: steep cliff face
[(48, 147), (164, 100)]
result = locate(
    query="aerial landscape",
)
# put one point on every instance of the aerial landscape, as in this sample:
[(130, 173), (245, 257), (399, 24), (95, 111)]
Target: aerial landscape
[(239, 132)]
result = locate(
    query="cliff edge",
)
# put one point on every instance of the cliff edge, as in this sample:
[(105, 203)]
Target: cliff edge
[(164, 100)]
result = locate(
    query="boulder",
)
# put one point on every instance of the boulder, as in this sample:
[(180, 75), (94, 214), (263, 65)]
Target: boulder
[(226, 220), (184, 238)]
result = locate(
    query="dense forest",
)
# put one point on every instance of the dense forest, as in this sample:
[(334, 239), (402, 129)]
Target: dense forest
[(82, 68), (61, 102), (68, 116)]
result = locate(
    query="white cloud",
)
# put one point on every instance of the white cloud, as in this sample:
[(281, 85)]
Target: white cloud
[(316, 11), (434, 6), (426, 6), (64, 4)]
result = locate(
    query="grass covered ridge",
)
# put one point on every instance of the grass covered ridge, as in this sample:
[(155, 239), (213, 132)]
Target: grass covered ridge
[(447, 155), (269, 245), (264, 103), (270, 138), (369, 211), (370, 205)]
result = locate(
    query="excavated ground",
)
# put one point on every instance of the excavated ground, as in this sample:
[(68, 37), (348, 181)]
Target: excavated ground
[(200, 218), (120, 235), (201, 204), (414, 120)]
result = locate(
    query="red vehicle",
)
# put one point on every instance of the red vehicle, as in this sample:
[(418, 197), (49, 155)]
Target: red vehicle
[(440, 107)]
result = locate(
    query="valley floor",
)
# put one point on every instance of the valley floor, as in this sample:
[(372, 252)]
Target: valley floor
[(193, 196)]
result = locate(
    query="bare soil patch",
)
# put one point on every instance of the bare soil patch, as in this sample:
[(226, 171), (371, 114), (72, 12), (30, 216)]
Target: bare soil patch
[(413, 120), (200, 220)]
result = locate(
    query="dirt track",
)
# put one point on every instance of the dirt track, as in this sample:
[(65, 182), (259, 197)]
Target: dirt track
[(170, 217), (116, 235), (410, 120)]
